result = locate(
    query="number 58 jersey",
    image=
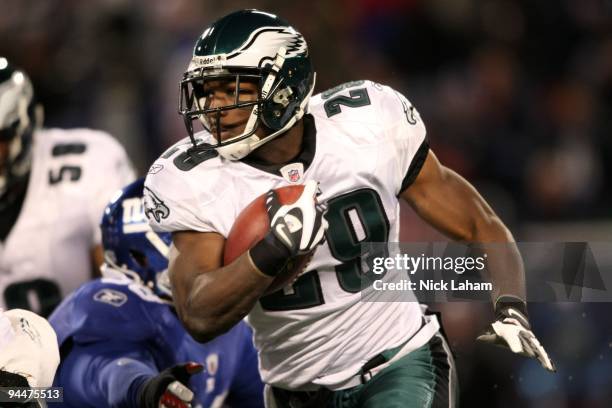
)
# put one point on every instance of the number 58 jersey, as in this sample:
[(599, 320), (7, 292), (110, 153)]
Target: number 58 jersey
[(46, 255), (364, 143)]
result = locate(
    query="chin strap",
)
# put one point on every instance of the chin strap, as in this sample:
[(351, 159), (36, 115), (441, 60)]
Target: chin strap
[(279, 61)]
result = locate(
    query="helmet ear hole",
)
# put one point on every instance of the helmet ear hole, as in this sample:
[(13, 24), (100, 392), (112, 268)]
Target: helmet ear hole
[(283, 96), (280, 108)]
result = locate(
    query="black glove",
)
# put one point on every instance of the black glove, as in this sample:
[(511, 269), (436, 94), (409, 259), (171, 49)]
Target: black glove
[(511, 330), (295, 229), (170, 388)]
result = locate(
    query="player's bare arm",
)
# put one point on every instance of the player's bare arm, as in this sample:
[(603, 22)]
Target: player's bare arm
[(211, 298), (452, 205), (448, 202)]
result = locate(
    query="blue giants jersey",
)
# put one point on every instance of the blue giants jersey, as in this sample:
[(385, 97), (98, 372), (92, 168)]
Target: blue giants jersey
[(114, 334)]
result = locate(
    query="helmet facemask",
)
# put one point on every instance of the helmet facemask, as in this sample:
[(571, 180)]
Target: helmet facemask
[(138, 270), (197, 96)]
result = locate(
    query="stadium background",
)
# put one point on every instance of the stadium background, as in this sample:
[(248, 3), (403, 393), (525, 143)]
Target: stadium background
[(516, 95)]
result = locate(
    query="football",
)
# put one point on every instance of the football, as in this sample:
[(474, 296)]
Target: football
[(253, 224)]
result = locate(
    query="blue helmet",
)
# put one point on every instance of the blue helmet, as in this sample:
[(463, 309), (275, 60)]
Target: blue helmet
[(131, 247)]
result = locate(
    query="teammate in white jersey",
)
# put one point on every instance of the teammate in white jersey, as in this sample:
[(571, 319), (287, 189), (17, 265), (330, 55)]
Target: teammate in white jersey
[(54, 185), (320, 344)]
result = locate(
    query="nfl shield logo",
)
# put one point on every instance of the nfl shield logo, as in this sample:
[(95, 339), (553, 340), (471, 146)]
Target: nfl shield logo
[(293, 172), (294, 175)]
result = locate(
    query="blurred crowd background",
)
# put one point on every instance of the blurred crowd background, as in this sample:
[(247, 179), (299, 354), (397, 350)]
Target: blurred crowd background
[(516, 96)]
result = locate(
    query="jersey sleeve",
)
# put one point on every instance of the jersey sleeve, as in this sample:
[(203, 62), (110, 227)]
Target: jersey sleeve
[(173, 203), (105, 374), (113, 171), (406, 144)]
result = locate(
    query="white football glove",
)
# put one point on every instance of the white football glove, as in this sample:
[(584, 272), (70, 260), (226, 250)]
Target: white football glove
[(295, 229), (299, 226), (512, 330)]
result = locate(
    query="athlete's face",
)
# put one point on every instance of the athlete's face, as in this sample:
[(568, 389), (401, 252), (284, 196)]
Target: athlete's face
[(224, 93)]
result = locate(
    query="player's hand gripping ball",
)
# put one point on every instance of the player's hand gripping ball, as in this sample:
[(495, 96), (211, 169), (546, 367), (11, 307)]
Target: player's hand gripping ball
[(297, 221)]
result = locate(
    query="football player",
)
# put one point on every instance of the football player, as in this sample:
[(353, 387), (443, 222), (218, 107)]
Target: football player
[(54, 184), (358, 148), (121, 343)]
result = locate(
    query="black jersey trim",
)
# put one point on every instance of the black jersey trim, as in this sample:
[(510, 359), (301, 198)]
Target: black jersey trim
[(415, 166)]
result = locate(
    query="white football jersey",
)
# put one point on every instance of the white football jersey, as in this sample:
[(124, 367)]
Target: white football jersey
[(47, 252), (364, 143)]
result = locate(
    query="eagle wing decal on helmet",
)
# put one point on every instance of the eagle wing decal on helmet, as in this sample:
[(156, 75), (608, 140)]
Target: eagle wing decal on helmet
[(267, 40)]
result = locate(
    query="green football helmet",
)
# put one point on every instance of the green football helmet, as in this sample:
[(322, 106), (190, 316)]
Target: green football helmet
[(248, 46)]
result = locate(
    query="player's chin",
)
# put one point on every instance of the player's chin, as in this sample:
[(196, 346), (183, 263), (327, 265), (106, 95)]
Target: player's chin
[(222, 135), (228, 134)]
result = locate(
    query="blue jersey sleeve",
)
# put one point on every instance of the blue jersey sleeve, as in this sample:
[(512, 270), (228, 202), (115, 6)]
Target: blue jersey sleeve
[(104, 375), (106, 330)]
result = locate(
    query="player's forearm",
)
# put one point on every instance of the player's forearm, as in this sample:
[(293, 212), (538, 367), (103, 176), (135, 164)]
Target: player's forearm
[(219, 299), (452, 205), (504, 262), (481, 226)]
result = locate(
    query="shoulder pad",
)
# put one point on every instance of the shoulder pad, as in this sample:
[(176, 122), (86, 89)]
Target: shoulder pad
[(91, 139), (97, 155), (355, 101), (179, 186), (99, 310)]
